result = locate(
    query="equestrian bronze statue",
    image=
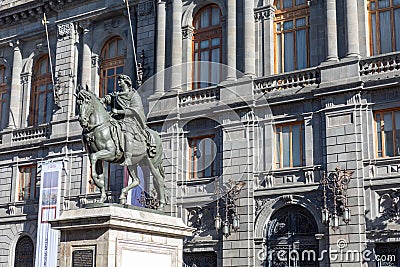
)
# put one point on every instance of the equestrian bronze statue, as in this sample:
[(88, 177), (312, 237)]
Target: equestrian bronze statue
[(120, 136)]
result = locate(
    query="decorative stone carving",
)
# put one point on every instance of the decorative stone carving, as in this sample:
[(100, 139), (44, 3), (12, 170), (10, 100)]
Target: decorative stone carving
[(262, 203), (288, 199), (25, 78), (269, 181), (309, 175), (202, 220), (264, 13), (11, 209), (389, 205), (65, 30), (187, 32), (96, 61), (66, 204), (145, 9)]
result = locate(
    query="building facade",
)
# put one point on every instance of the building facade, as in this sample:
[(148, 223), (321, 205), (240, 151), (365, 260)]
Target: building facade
[(257, 103)]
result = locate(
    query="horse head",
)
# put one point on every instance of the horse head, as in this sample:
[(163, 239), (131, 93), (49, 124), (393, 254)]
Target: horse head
[(85, 105)]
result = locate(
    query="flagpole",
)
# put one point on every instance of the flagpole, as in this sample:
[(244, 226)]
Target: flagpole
[(133, 41), (45, 22)]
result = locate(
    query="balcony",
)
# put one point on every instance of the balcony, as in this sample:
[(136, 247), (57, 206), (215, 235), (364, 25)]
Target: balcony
[(31, 133), (199, 96), (291, 80), (380, 67)]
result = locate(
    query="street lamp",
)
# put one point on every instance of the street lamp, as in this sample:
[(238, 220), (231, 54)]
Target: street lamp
[(228, 197), (334, 187)]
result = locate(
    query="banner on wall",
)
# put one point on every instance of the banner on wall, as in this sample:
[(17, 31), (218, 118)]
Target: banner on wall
[(49, 209)]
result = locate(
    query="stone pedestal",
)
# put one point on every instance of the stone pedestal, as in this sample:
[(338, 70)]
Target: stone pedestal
[(115, 236)]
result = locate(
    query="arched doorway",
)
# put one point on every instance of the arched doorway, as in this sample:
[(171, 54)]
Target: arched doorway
[(291, 238), (24, 251)]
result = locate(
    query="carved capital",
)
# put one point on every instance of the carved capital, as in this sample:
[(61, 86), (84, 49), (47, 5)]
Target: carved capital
[(25, 78), (96, 61), (389, 205), (144, 9), (85, 25), (187, 32), (65, 30), (264, 13), (15, 44)]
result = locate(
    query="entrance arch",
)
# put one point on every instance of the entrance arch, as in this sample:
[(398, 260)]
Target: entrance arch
[(291, 238), (24, 252)]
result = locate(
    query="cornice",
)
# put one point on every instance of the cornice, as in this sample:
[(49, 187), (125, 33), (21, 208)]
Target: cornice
[(33, 11)]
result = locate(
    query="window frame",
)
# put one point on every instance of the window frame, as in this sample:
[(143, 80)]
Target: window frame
[(382, 132), (193, 175), (203, 34), (109, 63), (3, 91), (376, 12), (38, 80), (278, 165), (283, 15), (31, 184)]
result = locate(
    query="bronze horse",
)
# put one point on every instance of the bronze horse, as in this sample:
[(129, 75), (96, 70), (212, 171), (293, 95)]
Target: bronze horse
[(101, 142)]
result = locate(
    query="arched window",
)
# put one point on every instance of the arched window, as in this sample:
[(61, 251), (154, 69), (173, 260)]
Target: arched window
[(4, 96), (42, 92), (24, 252), (292, 41), (112, 64), (384, 18), (291, 231), (204, 148), (207, 46)]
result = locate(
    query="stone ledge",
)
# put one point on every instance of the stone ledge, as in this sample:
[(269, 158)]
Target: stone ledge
[(115, 216)]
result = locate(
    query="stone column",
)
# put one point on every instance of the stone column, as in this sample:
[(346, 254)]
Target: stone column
[(352, 29), (331, 31), (176, 79), (86, 54), (249, 38), (161, 21), (15, 94), (231, 39), (187, 32)]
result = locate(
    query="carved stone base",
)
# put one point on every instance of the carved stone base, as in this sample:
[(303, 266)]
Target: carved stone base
[(111, 235)]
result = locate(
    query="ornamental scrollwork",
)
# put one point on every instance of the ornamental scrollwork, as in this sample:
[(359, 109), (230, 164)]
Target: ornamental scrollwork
[(145, 9), (389, 205), (65, 30)]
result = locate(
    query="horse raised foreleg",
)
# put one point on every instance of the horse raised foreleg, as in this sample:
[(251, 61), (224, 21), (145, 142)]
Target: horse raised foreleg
[(97, 170), (158, 179), (132, 169), (97, 179)]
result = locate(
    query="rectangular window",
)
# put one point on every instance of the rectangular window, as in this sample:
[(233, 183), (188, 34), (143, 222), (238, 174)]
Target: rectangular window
[(28, 187), (289, 145), (387, 133), (384, 21), (292, 37), (202, 151), (3, 107)]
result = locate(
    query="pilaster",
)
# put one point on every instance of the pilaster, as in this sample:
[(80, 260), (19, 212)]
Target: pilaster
[(249, 38), (15, 104), (176, 76), (231, 39), (352, 39), (161, 24)]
